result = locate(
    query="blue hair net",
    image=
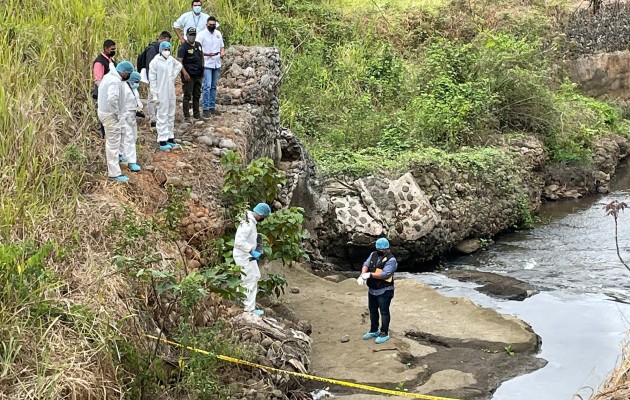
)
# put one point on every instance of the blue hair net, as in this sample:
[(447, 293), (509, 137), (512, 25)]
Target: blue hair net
[(165, 45), (134, 77), (124, 67), (262, 209), (382, 244)]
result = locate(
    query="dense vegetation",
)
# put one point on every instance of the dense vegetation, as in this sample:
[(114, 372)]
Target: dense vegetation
[(366, 85), (377, 87)]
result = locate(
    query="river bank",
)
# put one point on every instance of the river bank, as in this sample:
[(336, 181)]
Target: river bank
[(439, 346), (571, 258)]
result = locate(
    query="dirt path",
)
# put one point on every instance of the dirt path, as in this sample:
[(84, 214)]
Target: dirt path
[(441, 346)]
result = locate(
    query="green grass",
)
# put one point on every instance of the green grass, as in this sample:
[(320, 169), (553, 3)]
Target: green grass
[(349, 6)]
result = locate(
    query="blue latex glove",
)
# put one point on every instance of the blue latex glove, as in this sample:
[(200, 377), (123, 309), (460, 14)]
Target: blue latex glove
[(255, 254)]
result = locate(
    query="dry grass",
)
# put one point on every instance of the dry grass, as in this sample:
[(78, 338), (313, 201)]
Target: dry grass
[(617, 387)]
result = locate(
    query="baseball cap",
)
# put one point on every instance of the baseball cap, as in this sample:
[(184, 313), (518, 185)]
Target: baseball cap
[(192, 31)]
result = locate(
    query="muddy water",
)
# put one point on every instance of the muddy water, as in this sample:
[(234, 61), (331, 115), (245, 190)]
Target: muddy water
[(582, 313)]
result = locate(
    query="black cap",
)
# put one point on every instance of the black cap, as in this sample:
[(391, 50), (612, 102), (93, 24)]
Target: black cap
[(191, 31)]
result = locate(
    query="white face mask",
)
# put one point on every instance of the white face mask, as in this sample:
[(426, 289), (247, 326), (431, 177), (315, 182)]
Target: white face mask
[(166, 53)]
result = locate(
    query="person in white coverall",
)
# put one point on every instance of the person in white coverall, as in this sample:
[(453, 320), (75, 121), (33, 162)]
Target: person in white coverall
[(246, 256), (130, 126), (111, 106), (163, 70)]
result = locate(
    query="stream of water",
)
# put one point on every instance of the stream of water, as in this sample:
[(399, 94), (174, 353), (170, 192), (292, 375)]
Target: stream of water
[(582, 313)]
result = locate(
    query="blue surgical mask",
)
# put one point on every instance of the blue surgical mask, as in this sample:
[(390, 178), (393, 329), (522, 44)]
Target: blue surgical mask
[(197, 9), (135, 86)]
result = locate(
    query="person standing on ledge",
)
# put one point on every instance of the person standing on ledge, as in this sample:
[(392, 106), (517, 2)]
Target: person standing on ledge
[(246, 256), (378, 273), (213, 50), (191, 57), (162, 74), (194, 18), (111, 108)]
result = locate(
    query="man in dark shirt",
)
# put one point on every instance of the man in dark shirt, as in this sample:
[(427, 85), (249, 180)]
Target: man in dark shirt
[(191, 57)]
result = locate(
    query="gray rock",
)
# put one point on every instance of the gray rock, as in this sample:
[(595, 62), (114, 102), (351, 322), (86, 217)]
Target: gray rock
[(294, 290), (468, 246), (345, 339), (176, 181), (335, 278), (227, 144), (205, 140)]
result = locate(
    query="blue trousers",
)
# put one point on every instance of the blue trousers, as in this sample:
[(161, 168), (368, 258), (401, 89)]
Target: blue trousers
[(380, 303), (210, 82)]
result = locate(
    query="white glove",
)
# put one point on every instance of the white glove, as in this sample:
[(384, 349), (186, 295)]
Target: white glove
[(365, 275), (360, 281), (139, 106), (155, 97)]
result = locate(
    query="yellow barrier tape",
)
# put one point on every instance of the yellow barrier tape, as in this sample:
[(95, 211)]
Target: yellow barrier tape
[(305, 376)]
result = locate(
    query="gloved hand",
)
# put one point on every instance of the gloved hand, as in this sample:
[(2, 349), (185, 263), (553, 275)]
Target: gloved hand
[(255, 254), (140, 114), (360, 281), (139, 106), (154, 97), (365, 275)]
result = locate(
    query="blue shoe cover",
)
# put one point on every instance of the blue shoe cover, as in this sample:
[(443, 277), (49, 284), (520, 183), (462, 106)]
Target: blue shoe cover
[(166, 147), (371, 335), (133, 167), (260, 313), (121, 178), (381, 339), (174, 145), (121, 159)]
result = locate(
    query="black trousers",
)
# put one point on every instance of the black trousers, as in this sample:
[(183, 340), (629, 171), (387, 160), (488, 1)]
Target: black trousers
[(380, 304), (192, 90)]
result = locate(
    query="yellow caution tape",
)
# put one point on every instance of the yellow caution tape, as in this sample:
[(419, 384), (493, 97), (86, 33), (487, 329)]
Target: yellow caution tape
[(305, 376)]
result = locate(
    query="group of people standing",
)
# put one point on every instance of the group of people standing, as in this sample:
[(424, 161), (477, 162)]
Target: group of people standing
[(198, 61)]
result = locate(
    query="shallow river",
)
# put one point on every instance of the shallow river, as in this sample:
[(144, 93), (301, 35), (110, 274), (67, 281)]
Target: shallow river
[(581, 313)]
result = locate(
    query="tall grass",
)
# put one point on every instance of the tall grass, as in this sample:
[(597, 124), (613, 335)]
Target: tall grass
[(51, 345)]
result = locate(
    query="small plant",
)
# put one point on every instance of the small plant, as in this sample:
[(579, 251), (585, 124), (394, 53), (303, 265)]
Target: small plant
[(486, 243), (273, 286), (401, 387), (525, 214), (613, 209), (509, 350)]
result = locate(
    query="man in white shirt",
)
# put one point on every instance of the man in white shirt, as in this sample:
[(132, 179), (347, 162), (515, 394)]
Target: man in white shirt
[(194, 18), (213, 50)]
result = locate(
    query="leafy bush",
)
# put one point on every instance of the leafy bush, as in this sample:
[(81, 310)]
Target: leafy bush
[(284, 233), (245, 185), (273, 285)]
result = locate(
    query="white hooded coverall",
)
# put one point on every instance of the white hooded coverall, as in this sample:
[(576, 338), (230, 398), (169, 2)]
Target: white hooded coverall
[(162, 75), (130, 125), (111, 106), (244, 243)]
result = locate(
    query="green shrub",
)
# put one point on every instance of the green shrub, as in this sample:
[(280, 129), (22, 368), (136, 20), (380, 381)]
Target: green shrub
[(245, 185)]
